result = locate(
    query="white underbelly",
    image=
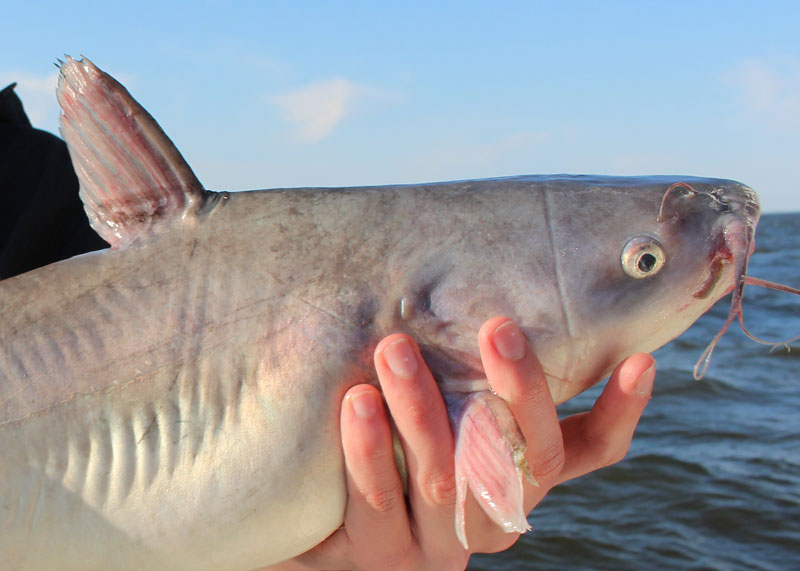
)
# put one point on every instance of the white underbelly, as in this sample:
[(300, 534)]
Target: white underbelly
[(147, 489)]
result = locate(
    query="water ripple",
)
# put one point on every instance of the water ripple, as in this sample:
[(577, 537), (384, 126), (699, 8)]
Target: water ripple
[(712, 480)]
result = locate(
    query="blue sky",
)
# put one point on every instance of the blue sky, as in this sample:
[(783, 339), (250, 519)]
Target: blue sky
[(269, 94)]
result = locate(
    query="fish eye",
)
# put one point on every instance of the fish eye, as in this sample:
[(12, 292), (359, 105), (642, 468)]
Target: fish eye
[(642, 257)]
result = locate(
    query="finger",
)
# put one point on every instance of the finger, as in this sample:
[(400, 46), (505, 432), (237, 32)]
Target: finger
[(602, 437), (376, 525), (376, 510), (516, 376), (420, 415)]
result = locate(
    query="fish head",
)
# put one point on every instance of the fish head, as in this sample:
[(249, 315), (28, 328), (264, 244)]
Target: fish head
[(659, 252), (593, 269)]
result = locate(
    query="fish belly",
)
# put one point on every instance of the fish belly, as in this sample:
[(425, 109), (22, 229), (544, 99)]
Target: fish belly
[(157, 484), (140, 447)]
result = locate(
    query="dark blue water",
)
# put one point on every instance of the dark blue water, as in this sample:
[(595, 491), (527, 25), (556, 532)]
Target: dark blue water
[(712, 480)]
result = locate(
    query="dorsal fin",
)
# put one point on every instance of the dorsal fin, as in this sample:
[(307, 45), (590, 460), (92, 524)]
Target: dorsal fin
[(133, 181)]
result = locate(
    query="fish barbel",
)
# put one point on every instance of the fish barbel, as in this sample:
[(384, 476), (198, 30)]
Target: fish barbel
[(173, 402)]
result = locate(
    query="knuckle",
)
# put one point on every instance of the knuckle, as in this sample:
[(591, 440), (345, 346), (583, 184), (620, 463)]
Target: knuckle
[(607, 451), (440, 488), (535, 395), (421, 416), (385, 499), (549, 463), (613, 453)]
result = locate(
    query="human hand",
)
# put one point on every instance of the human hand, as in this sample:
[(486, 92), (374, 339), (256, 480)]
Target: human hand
[(383, 531)]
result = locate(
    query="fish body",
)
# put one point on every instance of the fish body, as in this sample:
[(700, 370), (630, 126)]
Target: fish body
[(173, 402)]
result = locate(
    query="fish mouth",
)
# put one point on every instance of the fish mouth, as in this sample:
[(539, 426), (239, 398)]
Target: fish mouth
[(731, 244), (720, 258), (739, 210)]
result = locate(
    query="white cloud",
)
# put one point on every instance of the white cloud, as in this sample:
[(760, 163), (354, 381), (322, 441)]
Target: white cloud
[(316, 110), (38, 96), (769, 92)]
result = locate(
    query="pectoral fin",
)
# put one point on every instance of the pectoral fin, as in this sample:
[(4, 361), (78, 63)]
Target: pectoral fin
[(489, 460)]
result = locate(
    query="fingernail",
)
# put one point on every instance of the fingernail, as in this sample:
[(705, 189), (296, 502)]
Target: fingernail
[(644, 384), (509, 342), (364, 404), (401, 358)]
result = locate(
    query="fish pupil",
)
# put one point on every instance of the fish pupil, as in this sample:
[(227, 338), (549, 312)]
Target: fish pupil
[(647, 262)]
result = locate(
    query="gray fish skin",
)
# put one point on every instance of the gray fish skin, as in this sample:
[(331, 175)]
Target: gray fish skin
[(174, 403)]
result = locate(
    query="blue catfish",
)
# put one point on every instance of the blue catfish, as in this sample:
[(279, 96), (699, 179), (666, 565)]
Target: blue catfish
[(173, 402)]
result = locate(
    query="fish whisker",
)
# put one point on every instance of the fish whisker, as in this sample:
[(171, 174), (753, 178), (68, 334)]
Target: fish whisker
[(749, 280), (736, 311)]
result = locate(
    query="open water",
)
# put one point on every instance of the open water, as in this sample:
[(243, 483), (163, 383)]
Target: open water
[(712, 480)]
